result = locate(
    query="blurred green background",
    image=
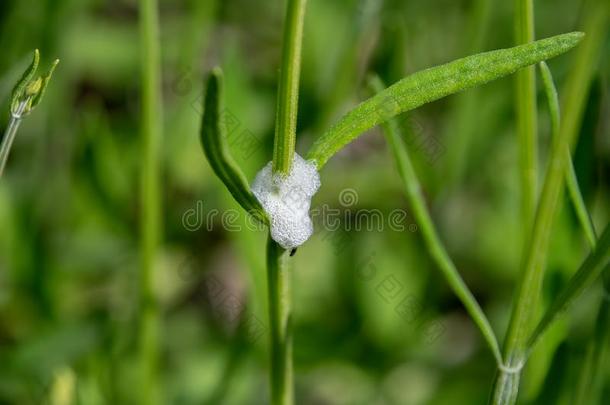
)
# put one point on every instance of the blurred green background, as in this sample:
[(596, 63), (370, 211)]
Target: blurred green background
[(374, 321)]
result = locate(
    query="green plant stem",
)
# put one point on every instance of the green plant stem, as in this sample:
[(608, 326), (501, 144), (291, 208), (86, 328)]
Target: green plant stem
[(288, 91), (278, 277), (279, 291), (150, 218), (526, 109), (528, 293), (431, 238), (9, 136)]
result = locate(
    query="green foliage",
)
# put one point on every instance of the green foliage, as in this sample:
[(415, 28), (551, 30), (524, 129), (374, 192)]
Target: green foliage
[(413, 191), (571, 180), (589, 271), (432, 84), (216, 148), (26, 95), (29, 91), (72, 210)]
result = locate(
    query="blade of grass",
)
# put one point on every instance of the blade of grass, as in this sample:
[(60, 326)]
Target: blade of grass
[(150, 217), (426, 225), (288, 91), (432, 84), (576, 197), (526, 108), (280, 297), (590, 270)]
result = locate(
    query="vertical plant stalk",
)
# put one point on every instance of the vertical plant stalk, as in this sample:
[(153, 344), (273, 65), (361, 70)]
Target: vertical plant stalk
[(278, 279), (150, 217), (288, 90), (280, 296), (528, 293), (431, 238), (526, 110), (9, 135)]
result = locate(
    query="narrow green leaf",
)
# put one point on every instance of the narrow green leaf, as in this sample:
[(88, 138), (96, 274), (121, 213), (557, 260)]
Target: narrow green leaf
[(26, 78), (588, 272), (571, 180), (435, 83), (429, 233), (216, 148), (552, 99)]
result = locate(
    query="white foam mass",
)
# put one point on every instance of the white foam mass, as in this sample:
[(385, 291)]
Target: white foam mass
[(286, 199)]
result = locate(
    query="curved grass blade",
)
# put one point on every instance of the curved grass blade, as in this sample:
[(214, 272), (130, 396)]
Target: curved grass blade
[(432, 84), (590, 270), (216, 149), (431, 238), (571, 180)]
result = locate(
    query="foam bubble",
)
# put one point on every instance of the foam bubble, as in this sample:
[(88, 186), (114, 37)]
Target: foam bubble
[(286, 200)]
